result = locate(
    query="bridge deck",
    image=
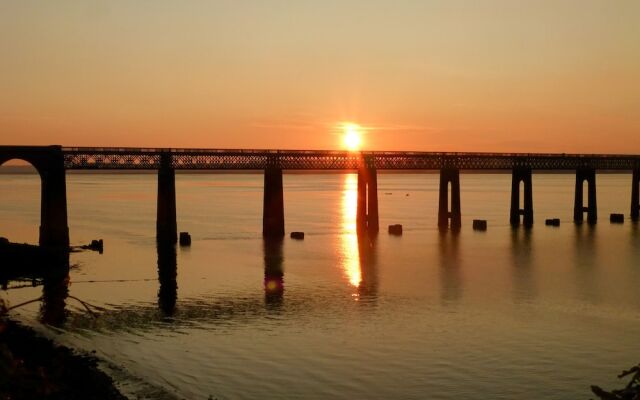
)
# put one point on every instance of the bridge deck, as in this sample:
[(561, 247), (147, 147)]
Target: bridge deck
[(229, 159), (243, 159)]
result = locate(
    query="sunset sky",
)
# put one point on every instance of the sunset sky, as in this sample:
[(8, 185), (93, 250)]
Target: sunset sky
[(557, 76)]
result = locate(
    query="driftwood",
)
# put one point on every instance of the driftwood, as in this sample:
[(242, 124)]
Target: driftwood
[(629, 392)]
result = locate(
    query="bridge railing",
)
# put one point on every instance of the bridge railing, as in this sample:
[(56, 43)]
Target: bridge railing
[(183, 158)]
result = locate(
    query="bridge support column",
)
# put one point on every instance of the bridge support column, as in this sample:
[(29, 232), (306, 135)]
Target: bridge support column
[(273, 204), (589, 175), (449, 175), (521, 175), (635, 195), (54, 230), (373, 223), (367, 211), (166, 221)]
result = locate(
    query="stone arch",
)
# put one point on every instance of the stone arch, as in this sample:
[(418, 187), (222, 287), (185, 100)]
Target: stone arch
[(32, 162), (49, 162), (29, 190)]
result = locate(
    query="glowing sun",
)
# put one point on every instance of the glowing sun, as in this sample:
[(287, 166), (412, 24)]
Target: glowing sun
[(352, 136)]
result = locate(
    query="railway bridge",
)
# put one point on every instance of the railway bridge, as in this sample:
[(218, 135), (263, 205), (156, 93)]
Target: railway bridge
[(52, 162)]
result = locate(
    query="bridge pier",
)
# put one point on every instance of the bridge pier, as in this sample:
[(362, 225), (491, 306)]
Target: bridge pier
[(449, 175), (635, 195), (166, 221), (521, 175), (589, 175), (54, 230), (367, 210), (273, 203)]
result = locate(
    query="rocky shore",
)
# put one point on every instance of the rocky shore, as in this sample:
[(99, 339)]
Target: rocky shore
[(32, 367)]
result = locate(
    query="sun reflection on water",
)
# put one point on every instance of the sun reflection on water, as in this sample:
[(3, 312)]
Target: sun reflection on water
[(349, 237)]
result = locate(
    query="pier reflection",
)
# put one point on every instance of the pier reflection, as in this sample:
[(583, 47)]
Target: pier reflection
[(273, 271), (349, 237), (367, 288), (450, 275), (586, 262), (358, 251), (167, 277), (50, 269), (55, 291), (524, 286)]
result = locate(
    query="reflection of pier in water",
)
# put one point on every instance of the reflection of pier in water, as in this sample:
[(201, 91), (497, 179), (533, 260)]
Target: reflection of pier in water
[(218, 310), (367, 288), (168, 278), (55, 290), (450, 279), (586, 263), (359, 254), (524, 286), (273, 272), (54, 279)]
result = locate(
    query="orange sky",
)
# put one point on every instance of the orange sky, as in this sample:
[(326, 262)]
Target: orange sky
[(558, 76)]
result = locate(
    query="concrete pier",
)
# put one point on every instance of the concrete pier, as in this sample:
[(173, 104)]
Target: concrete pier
[(166, 220), (361, 207), (49, 161), (635, 195), (373, 223), (521, 175), (54, 230), (273, 203), (582, 175), (367, 210), (449, 175)]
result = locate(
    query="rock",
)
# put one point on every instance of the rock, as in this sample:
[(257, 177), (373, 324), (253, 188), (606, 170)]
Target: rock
[(617, 218), (479, 225), (395, 229), (185, 239), (552, 222), (95, 245), (34, 367), (297, 235)]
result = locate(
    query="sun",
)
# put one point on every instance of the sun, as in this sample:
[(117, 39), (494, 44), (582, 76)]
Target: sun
[(352, 136)]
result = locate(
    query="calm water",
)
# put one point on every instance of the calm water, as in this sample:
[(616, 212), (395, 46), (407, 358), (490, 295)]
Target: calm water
[(502, 314)]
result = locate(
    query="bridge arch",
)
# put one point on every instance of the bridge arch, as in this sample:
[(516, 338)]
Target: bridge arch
[(49, 162), (34, 162), (20, 184)]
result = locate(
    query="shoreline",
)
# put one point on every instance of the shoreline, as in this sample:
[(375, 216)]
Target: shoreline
[(32, 366)]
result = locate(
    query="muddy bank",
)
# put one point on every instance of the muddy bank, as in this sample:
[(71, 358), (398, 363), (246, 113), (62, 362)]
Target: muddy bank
[(32, 367)]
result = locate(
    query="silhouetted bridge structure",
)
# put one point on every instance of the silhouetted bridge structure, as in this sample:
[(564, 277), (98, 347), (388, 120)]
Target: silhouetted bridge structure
[(51, 162)]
